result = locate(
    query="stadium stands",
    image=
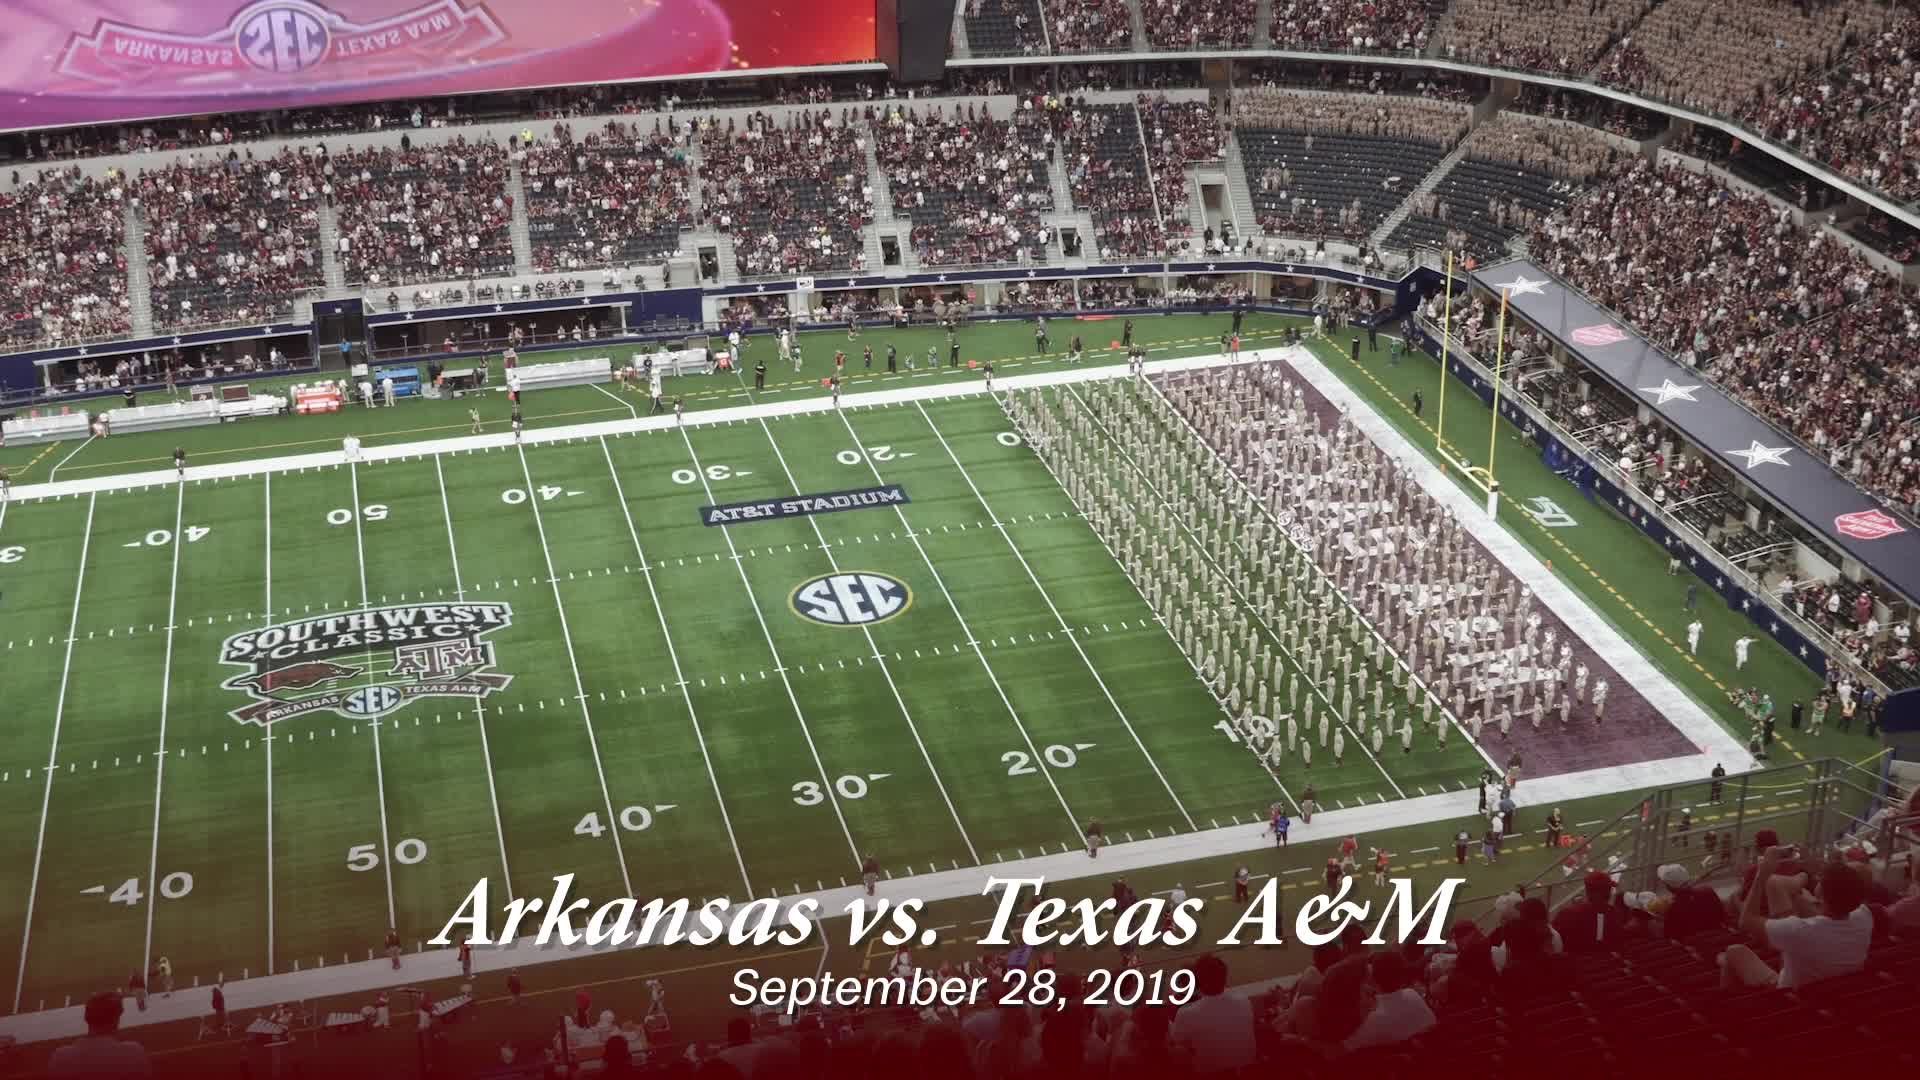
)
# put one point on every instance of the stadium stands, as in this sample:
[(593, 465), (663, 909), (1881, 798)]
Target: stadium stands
[(1352, 25), (1089, 26), (1335, 165), (428, 213), (1198, 24), (1858, 117), (1718, 55), (62, 270), (793, 198), (1107, 170), (1004, 27), (1178, 135), (616, 196), (974, 187), (1561, 36), (1516, 171), (232, 240)]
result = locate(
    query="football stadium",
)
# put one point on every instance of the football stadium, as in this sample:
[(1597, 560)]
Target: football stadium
[(1262, 538)]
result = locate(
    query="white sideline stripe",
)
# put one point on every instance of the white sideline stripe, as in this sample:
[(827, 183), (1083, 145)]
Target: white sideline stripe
[(53, 753), (635, 413), (479, 707), (673, 654), (574, 432), (373, 726), (874, 649), (166, 694), (1674, 704), (71, 454), (579, 687), (1071, 638), (773, 650), (973, 639)]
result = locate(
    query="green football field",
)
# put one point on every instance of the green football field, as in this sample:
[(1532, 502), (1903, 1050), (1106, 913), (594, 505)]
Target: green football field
[(675, 722)]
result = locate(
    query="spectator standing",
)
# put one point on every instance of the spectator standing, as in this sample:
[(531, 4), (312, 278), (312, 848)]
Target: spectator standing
[(101, 1053), (1216, 1028)]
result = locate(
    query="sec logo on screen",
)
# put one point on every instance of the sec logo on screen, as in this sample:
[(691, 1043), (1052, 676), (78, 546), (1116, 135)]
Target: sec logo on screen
[(853, 598)]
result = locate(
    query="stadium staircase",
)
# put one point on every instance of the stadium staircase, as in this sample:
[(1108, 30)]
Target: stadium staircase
[(1262, 25), (522, 235), (1197, 200), (331, 271), (695, 189), (139, 274), (1239, 194), (1057, 177), (961, 49), (1146, 155), (1140, 42), (1427, 184), (723, 250)]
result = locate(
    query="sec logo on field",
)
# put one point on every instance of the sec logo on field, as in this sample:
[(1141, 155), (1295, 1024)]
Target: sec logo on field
[(853, 598)]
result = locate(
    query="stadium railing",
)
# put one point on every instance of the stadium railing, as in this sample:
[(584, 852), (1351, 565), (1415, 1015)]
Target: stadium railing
[(1600, 463)]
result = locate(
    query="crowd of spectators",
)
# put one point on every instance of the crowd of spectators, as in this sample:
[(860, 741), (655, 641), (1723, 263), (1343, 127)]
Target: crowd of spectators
[(63, 273), (1862, 118), (1108, 174), (1719, 55), (618, 195), (1362, 79), (1198, 24), (793, 196), (1561, 149), (974, 186), (1178, 135), (1428, 120), (1004, 27), (424, 213), (236, 239), (1389, 25), (1564, 37), (1089, 26)]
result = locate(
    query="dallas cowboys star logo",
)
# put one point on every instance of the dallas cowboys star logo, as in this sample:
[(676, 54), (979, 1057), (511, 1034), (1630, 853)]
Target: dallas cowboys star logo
[(1669, 391), (1521, 285), (1763, 455)]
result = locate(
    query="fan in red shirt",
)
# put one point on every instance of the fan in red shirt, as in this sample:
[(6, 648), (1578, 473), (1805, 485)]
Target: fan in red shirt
[(1592, 923)]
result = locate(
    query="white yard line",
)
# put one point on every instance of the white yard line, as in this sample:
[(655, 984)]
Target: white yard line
[(779, 665), (673, 655), (53, 756), (973, 640), (267, 735), (479, 708), (1246, 602), (873, 650), (160, 756), (1068, 631), (54, 472), (630, 408), (379, 767), (579, 686)]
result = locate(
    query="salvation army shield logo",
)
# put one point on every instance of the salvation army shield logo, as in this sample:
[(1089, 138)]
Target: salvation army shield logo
[(1867, 525), (365, 664), (1597, 335)]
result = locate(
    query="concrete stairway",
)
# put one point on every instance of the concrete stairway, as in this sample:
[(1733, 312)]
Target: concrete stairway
[(139, 274), (334, 274), (1140, 42), (1427, 184), (1146, 155), (694, 191), (1262, 23), (870, 238), (522, 236), (1196, 204), (882, 191), (962, 50), (1057, 178), (1239, 191)]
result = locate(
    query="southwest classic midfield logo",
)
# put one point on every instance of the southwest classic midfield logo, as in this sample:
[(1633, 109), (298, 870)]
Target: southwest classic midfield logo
[(854, 598), (280, 38), (365, 664), (1867, 525)]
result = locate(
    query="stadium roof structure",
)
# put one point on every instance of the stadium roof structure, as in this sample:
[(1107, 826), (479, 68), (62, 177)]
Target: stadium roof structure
[(1765, 457)]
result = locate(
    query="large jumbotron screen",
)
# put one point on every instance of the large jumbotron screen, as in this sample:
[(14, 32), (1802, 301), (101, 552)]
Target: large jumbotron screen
[(88, 61)]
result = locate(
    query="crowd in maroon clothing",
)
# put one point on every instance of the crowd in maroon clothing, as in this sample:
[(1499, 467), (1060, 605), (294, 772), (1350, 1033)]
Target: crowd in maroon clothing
[(615, 190), (1198, 24), (234, 239), (793, 198), (1792, 322), (974, 187), (1178, 134), (1089, 26), (426, 213), (1863, 119), (63, 276), (1350, 24), (1109, 176)]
